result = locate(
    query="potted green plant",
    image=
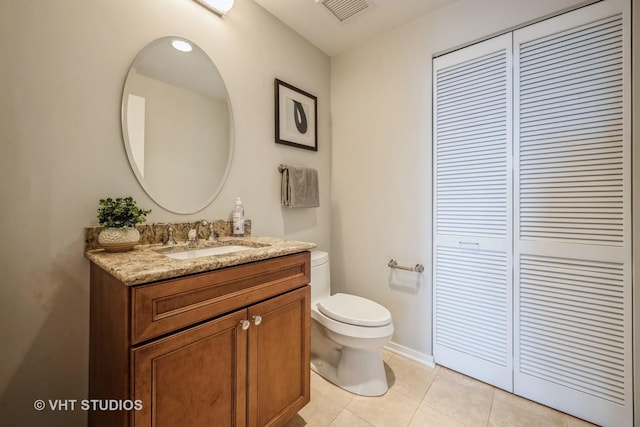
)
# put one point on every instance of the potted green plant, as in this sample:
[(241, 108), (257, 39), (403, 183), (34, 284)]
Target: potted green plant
[(119, 217)]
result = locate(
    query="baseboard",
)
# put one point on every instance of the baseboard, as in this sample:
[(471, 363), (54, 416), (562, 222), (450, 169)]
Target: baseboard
[(425, 359)]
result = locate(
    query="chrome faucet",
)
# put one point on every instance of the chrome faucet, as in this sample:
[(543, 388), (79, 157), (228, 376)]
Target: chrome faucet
[(192, 240), (212, 234), (170, 240)]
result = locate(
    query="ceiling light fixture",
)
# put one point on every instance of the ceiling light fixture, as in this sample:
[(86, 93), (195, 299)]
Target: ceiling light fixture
[(220, 7)]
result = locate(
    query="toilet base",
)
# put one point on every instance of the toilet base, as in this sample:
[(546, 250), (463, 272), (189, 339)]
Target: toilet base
[(359, 371)]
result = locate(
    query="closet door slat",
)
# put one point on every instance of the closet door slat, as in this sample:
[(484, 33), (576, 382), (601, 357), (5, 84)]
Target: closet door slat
[(461, 163), (578, 162)]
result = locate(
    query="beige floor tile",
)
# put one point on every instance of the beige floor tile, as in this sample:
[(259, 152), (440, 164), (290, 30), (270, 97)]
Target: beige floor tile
[(319, 412), (552, 417), (462, 398), (408, 377), (391, 410), (463, 380), (576, 422), (426, 416), (450, 399), (386, 354), (504, 414), (331, 391), (296, 421), (348, 419)]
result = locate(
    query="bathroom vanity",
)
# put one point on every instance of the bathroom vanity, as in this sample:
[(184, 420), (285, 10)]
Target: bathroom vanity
[(211, 341)]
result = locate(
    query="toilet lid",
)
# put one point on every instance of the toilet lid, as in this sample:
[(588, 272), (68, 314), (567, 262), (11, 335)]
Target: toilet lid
[(354, 310)]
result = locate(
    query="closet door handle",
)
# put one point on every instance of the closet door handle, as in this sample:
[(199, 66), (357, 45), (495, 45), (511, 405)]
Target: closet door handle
[(244, 324), (257, 320)]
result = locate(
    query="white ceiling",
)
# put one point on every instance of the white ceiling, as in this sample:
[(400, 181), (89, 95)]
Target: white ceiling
[(313, 21)]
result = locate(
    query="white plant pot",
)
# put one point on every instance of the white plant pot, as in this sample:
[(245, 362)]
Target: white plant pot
[(119, 239)]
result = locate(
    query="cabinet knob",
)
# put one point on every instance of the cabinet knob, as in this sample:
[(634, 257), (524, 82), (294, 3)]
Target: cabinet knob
[(245, 324), (257, 319)]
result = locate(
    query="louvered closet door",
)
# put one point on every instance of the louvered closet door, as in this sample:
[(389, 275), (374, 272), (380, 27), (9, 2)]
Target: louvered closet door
[(572, 214), (472, 211)]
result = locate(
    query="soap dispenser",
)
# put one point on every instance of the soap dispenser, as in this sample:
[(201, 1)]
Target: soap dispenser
[(238, 219)]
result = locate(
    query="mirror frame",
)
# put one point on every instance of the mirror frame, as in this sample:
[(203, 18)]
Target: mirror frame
[(125, 134)]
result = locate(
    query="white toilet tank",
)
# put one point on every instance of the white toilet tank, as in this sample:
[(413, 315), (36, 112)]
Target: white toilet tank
[(320, 276)]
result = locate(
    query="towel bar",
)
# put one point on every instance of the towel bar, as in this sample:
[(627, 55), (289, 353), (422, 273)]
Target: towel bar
[(299, 187), (419, 268)]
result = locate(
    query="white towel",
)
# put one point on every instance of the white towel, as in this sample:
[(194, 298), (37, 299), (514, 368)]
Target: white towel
[(300, 187)]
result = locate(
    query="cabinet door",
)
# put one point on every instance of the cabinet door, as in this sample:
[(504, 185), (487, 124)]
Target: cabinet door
[(195, 378), (279, 351)]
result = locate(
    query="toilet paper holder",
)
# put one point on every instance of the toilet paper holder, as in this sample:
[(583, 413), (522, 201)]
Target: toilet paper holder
[(419, 268)]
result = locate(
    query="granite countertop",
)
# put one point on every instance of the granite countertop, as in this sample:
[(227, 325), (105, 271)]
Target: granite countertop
[(146, 263)]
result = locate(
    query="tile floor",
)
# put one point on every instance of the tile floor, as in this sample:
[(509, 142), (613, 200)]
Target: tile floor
[(420, 396)]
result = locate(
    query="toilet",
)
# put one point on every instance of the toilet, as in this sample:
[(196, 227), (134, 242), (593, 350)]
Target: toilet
[(347, 333)]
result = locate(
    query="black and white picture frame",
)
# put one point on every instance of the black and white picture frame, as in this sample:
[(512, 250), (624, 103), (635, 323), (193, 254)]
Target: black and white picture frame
[(296, 117)]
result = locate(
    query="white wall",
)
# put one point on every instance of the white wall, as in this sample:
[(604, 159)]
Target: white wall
[(62, 71), (381, 158), (635, 83)]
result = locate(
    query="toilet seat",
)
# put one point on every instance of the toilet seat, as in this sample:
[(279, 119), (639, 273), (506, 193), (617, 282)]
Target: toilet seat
[(354, 310)]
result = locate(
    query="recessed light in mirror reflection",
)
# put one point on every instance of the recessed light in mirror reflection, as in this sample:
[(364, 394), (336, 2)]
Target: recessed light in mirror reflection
[(181, 45)]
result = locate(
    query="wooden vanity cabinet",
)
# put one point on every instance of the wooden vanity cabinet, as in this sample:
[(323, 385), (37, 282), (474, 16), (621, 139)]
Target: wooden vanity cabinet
[(228, 347)]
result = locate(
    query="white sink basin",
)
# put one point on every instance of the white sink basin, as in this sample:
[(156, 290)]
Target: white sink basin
[(197, 253)]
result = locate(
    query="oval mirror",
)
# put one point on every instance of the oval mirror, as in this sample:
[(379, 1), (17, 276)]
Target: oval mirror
[(177, 125)]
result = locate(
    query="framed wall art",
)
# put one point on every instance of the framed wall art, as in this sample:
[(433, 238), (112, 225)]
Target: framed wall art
[(296, 117)]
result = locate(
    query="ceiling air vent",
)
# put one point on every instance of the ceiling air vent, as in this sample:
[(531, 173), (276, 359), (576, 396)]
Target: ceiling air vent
[(345, 9)]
